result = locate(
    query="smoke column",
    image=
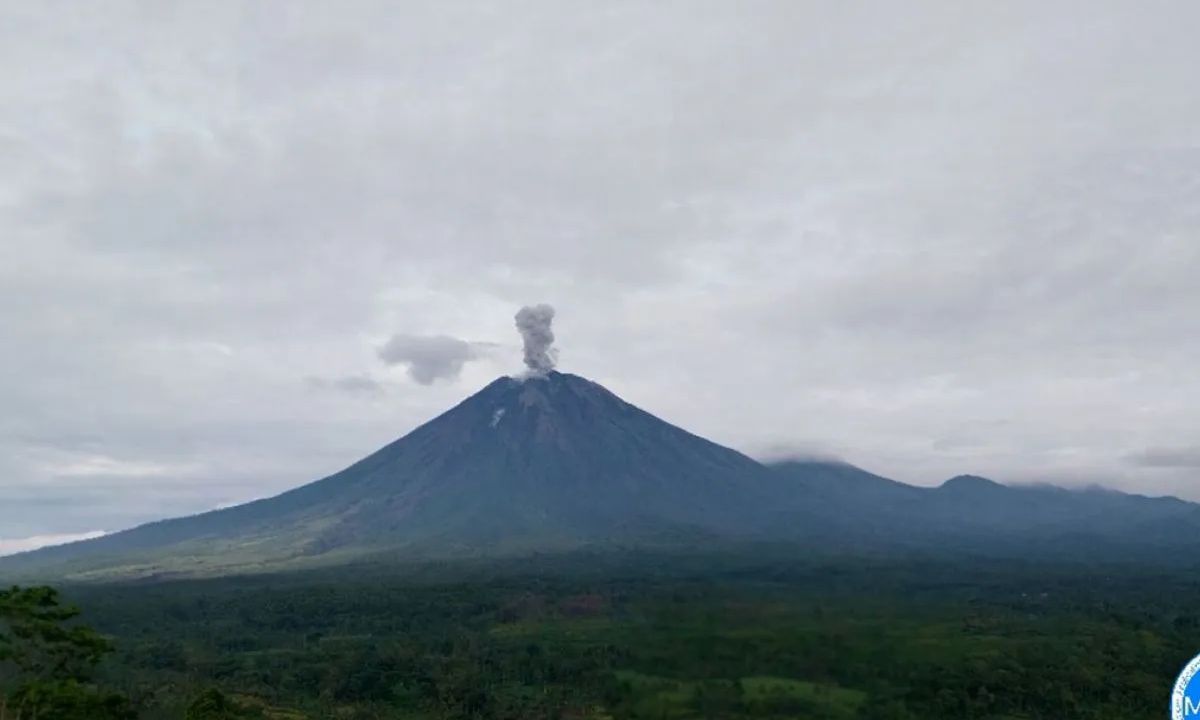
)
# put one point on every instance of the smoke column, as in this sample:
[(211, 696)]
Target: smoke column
[(534, 323)]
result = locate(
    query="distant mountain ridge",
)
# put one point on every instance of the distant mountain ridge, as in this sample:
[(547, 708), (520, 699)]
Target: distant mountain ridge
[(973, 513), (558, 462)]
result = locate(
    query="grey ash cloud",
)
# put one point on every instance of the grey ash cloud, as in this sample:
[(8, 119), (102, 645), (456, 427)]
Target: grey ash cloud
[(537, 338)]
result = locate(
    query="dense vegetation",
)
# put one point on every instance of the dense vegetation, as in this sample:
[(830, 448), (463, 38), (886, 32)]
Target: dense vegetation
[(699, 638), (46, 662)]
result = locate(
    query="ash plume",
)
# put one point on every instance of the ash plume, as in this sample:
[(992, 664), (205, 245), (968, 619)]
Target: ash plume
[(533, 321)]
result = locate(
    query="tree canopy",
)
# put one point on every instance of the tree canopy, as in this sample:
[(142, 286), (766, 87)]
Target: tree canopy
[(47, 659)]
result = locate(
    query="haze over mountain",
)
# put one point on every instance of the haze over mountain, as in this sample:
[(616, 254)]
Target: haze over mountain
[(554, 462)]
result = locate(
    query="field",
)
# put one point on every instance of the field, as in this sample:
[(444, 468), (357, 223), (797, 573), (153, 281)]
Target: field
[(659, 638)]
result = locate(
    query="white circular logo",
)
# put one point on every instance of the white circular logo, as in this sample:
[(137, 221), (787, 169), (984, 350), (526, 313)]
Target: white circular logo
[(1185, 700)]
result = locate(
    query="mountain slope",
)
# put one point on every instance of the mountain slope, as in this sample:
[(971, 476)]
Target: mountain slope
[(544, 463), (558, 462)]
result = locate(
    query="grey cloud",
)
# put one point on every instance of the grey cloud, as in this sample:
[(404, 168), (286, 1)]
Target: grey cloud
[(428, 357), (1178, 457), (350, 384)]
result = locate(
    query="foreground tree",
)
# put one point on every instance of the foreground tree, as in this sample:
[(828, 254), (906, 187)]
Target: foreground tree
[(46, 661)]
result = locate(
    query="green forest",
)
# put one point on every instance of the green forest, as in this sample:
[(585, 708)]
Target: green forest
[(637, 636)]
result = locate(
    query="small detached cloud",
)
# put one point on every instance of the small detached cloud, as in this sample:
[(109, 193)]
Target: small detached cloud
[(61, 464), (429, 357), (1165, 457), (362, 385)]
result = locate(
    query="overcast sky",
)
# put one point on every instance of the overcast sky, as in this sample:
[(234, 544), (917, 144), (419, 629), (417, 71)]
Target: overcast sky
[(244, 244)]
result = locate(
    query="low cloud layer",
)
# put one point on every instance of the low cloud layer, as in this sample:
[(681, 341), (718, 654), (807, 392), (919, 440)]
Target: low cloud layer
[(11, 546), (1178, 457), (428, 358)]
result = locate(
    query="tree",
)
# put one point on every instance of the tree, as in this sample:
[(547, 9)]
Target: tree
[(46, 661)]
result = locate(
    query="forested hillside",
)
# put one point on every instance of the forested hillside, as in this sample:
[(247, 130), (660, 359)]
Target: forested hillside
[(704, 637)]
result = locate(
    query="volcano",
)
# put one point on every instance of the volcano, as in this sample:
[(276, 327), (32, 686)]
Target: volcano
[(555, 462), (544, 463)]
